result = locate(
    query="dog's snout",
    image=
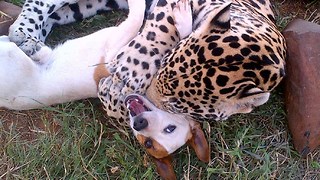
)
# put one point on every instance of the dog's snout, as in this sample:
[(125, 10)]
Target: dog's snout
[(140, 123)]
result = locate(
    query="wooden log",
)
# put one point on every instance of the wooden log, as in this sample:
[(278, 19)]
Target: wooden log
[(302, 84)]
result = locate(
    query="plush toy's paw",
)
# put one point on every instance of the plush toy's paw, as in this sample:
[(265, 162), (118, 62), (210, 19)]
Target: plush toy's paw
[(183, 18)]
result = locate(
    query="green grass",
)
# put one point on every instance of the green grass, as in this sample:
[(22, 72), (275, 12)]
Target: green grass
[(89, 146), (252, 146), (83, 148), (16, 2)]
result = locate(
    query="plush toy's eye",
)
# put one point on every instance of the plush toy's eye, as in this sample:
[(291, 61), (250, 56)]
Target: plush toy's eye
[(148, 143), (169, 129)]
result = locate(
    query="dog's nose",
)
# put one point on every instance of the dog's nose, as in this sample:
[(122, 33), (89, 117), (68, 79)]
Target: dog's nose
[(140, 123)]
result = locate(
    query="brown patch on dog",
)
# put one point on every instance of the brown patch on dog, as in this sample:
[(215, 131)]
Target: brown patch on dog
[(156, 150), (165, 168), (199, 143), (100, 71)]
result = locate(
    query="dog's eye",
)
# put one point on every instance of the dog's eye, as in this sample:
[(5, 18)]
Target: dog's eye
[(169, 129), (148, 143)]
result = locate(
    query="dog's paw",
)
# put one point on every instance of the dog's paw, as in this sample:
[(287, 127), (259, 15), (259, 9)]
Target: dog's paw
[(183, 18), (42, 53), (10, 52)]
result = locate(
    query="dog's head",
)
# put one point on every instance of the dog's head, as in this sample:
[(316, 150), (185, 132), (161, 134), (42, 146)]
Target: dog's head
[(161, 133)]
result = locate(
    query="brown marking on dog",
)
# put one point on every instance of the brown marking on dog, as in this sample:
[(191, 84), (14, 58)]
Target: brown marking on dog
[(165, 168), (100, 71), (156, 150), (199, 143)]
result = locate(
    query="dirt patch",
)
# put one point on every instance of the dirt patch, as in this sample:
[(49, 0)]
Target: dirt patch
[(8, 13), (304, 9), (28, 124)]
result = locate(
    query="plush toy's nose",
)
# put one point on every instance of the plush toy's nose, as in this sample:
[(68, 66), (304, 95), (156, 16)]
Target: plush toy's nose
[(140, 123)]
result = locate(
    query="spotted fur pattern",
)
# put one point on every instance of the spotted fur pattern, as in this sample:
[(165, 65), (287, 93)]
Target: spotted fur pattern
[(223, 67), (219, 70), (37, 18), (135, 65)]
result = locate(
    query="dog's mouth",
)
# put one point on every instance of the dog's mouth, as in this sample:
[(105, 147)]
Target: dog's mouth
[(135, 105)]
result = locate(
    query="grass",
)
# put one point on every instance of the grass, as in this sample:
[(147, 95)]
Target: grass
[(76, 141), (82, 148), (16, 2)]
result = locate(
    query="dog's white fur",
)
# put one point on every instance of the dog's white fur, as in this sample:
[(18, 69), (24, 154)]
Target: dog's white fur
[(158, 121), (65, 73)]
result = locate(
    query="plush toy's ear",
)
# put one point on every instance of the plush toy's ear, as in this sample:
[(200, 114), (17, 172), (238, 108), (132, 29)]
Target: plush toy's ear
[(165, 168), (199, 142)]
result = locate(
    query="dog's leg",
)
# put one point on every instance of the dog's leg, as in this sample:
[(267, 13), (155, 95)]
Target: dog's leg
[(17, 71), (68, 73)]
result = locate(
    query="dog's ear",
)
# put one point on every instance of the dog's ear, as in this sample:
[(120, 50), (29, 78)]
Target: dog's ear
[(199, 142), (165, 168)]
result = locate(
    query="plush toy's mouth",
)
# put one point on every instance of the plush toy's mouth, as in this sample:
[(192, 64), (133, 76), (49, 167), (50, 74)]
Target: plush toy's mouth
[(135, 105)]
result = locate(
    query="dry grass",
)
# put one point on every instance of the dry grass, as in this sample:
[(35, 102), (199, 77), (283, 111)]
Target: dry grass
[(4, 17)]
